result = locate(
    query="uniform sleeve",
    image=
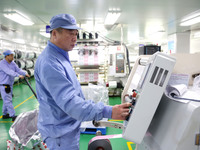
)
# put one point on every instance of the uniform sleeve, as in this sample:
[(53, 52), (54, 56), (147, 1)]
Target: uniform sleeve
[(64, 95), (19, 70), (8, 71)]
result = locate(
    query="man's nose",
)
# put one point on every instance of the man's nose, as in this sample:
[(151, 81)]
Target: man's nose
[(74, 38)]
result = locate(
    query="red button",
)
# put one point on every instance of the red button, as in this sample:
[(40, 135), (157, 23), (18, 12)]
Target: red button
[(134, 94)]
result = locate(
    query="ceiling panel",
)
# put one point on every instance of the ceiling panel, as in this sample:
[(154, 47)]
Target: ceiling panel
[(140, 19)]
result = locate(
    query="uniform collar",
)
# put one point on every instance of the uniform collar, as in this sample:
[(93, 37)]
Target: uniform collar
[(63, 52)]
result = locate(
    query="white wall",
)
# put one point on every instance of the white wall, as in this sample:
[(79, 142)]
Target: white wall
[(183, 42), (195, 42), (188, 42), (179, 43)]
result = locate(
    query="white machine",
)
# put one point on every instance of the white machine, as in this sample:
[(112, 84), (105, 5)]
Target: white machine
[(176, 125), (158, 122), (150, 90), (117, 61)]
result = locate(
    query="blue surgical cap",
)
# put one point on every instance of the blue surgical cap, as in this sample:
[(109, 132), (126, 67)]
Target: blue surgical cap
[(65, 21), (8, 52)]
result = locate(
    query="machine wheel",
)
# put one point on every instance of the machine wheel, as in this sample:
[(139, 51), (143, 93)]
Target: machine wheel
[(100, 144)]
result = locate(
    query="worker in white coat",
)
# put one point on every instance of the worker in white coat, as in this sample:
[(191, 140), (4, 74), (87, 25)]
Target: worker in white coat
[(62, 106)]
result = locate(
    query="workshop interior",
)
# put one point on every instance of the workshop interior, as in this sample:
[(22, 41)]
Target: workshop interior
[(142, 52)]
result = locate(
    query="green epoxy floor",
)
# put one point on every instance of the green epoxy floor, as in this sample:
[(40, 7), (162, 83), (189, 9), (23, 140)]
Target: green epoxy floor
[(24, 100)]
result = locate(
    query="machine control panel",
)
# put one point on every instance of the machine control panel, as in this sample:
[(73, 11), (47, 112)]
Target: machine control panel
[(120, 63), (150, 89)]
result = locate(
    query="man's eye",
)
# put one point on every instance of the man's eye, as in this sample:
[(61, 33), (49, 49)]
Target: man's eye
[(73, 34)]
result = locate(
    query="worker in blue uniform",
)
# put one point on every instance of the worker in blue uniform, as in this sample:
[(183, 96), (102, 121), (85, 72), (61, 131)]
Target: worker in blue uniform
[(62, 106), (8, 71)]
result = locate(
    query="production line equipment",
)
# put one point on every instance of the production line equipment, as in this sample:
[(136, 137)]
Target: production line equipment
[(158, 121), (144, 98), (117, 61)]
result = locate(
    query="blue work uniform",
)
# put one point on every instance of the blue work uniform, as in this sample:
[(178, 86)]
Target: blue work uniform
[(62, 106), (8, 72)]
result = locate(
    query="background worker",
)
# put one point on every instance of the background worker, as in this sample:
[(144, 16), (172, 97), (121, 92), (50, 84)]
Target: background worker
[(62, 106), (8, 71)]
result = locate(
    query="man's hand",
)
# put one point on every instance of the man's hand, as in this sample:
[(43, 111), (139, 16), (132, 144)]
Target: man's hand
[(120, 111), (21, 76), (27, 75)]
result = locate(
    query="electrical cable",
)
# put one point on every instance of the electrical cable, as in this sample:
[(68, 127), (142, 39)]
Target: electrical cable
[(108, 39), (118, 42), (128, 61), (187, 99), (103, 37), (127, 51)]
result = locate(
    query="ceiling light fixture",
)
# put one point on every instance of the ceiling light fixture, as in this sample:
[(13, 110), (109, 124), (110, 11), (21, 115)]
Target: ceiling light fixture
[(112, 17), (34, 44), (43, 33), (18, 17), (20, 41), (191, 19)]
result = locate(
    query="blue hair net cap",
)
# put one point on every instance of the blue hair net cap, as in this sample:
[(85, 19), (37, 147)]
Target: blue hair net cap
[(65, 21), (8, 52)]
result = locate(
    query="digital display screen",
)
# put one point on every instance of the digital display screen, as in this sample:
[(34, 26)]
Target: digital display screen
[(120, 56)]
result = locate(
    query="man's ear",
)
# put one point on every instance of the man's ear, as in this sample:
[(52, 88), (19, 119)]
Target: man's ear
[(54, 33)]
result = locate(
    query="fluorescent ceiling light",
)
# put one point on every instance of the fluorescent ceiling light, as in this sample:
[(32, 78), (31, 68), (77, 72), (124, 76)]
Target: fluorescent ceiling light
[(43, 33), (19, 18), (112, 17), (34, 44), (20, 41), (191, 19)]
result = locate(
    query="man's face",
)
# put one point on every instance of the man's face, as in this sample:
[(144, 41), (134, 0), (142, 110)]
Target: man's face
[(66, 39), (10, 57)]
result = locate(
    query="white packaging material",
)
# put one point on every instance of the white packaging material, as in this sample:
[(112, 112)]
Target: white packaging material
[(29, 64), (30, 55), (196, 82), (112, 84), (97, 93)]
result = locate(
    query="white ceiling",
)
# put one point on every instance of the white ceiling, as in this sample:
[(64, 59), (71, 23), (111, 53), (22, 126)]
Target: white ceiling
[(140, 19)]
